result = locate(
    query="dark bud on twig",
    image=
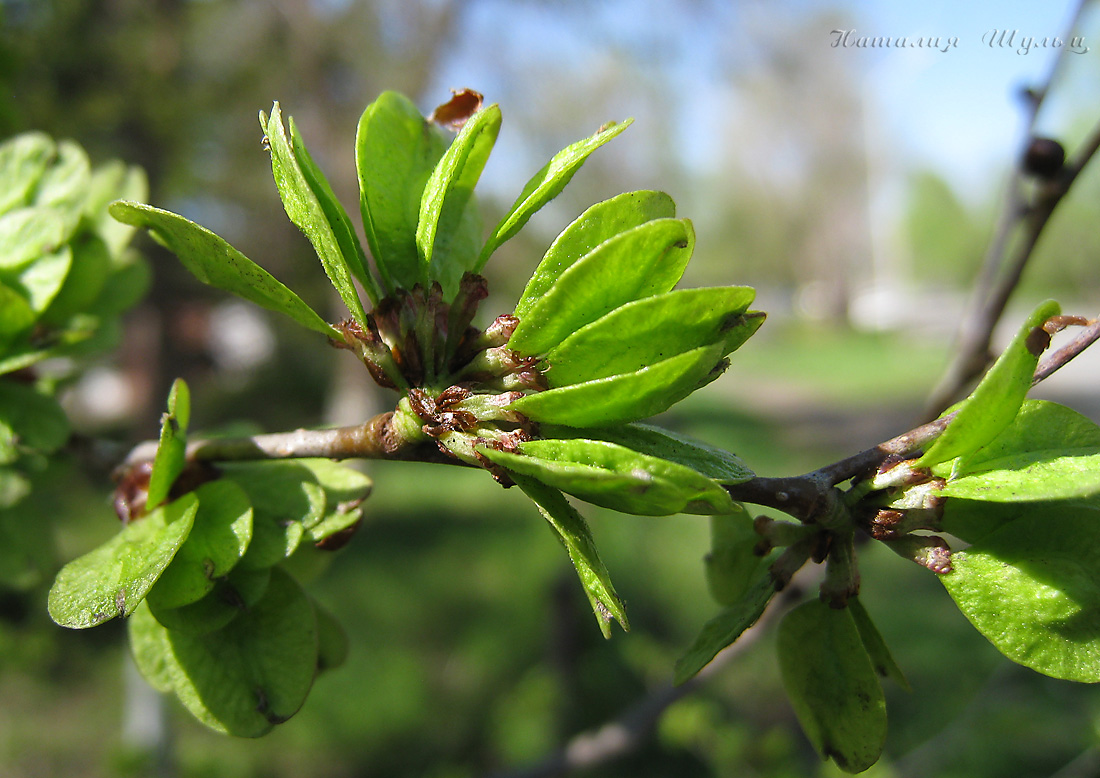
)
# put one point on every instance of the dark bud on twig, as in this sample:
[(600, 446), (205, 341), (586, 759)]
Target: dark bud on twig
[(1044, 158)]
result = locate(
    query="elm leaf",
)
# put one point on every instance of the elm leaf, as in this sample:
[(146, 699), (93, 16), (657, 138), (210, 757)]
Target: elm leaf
[(732, 564), (23, 161), (229, 597), (615, 477), (114, 578), (35, 419), (446, 206), (218, 539), (545, 185), (877, 649), (170, 458), (624, 397), (646, 331), (1032, 588), (396, 149), (575, 535), (213, 261), (726, 627), (599, 223), (28, 233), (995, 401), (310, 204), (642, 261), (832, 684)]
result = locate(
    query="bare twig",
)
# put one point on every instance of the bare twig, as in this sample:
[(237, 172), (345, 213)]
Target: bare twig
[(1062, 356), (1001, 271)]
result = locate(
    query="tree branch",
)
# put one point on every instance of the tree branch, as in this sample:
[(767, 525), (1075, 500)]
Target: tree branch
[(1001, 271)]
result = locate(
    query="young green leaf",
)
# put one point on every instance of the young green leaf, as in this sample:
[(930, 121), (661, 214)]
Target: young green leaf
[(575, 535), (218, 539), (248, 676), (113, 181), (646, 331), (877, 649), (447, 193), (625, 397), (113, 579), (995, 401), (1048, 452), (41, 280), (599, 223), (396, 150), (615, 477), (732, 564), (23, 161), (171, 450), (28, 233), (229, 597), (16, 316), (726, 627), (64, 184), (545, 185), (84, 281), (832, 685), (35, 419), (1032, 589), (716, 463), (332, 641), (309, 203), (643, 261), (334, 523), (213, 261)]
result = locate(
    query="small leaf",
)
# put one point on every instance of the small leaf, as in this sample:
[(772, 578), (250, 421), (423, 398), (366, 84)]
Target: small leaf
[(877, 649), (248, 676), (832, 685), (332, 641), (124, 288), (84, 281), (16, 316), (625, 397), (545, 185), (443, 205), (229, 597), (218, 539), (112, 580), (575, 535), (23, 161), (1048, 452), (726, 627), (615, 477), (27, 234), (722, 466), (310, 204), (41, 280), (334, 523), (599, 223), (213, 261), (643, 261), (171, 449), (64, 184), (113, 181), (732, 564), (994, 403), (649, 330), (395, 152), (1032, 588)]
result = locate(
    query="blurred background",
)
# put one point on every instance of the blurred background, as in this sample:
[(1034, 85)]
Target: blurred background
[(855, 187)]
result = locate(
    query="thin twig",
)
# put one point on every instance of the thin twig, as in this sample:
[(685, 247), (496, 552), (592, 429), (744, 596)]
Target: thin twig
[(1001, 271)]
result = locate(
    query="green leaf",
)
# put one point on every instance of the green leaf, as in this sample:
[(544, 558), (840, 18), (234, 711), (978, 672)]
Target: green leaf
[(995, 401), (726, 627), (545, 185), (248, 676), (220, 535), (716, 463), (41, 280), (171, 449), (27, 234), (334, 523), (23, 161), (213, 261), (35, 419), (877, 649), (396, 150), (64, 184), (1032, 588), (832, 685), (649, 330), (84, 282), (113, 181), (113, 579), (443, 205), (124, 288), (643, 261), (311, 205), (229, 597), (625, 397), (732, 564), (16, 316), (575, 535), (1048, 452), (332, 640), (599, 223), (615, 477)]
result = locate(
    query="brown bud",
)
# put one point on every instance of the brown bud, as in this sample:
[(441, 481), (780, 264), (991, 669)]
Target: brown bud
[(1044, 158)]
